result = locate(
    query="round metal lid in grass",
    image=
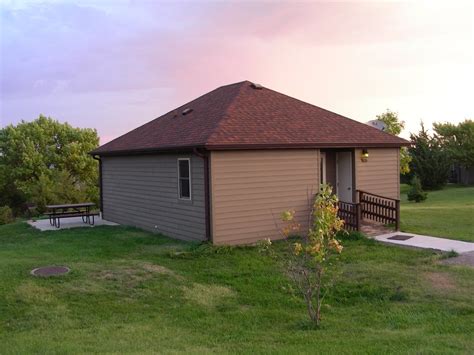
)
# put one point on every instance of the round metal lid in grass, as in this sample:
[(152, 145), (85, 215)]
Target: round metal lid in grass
[(50, 271)]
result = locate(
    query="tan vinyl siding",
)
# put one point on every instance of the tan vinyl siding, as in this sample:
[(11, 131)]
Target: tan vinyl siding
[(381, 173), (142, 191), (250, 189)]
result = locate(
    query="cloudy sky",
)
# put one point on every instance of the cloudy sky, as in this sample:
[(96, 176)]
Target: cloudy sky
[(113, 64)]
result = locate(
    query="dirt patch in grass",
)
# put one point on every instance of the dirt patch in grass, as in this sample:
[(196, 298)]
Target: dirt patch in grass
[(134, 274), (440, 281), (207, 295), (155, 268)]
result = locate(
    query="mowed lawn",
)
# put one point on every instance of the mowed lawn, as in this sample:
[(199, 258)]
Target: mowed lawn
[(132, 291), (447, 213)]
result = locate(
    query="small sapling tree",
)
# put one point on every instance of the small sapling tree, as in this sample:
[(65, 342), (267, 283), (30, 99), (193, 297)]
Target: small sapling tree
[(309, 255)]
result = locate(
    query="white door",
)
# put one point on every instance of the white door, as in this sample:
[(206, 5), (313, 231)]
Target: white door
[(344, 176)]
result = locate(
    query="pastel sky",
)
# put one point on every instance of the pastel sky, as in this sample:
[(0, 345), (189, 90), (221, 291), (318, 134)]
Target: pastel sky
[(114, 65)]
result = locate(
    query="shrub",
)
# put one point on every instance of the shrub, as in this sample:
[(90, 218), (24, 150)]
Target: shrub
[(6, 215), (416, 192), (449, 254)]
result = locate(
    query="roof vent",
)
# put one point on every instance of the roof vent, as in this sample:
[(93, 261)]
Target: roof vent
[(186, 111), (256, 86)]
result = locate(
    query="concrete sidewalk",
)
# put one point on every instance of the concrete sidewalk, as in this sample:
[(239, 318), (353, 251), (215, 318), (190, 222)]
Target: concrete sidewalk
[(427, 242), (67, 223)]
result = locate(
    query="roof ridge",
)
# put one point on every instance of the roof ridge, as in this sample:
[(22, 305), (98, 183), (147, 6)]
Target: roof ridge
[(225, 114)]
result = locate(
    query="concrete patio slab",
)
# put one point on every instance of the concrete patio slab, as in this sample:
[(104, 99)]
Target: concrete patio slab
[(427, 242), (67, 223)]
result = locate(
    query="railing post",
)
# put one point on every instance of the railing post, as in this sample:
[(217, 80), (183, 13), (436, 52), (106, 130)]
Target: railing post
[(358, 216), (360, 206), (397, 224)]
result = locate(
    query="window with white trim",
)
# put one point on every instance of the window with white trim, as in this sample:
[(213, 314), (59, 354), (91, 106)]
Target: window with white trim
[(184, 178)]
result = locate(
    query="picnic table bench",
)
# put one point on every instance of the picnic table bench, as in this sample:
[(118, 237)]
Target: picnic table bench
[(69, 210)]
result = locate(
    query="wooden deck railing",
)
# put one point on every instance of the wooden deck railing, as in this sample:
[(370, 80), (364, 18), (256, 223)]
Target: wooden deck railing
[(372, 207), (350, 213), (379, 208)]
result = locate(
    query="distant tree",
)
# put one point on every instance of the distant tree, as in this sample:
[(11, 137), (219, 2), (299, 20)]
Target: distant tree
[(458, 140), (430, 162), (42, 159), (394, 125)]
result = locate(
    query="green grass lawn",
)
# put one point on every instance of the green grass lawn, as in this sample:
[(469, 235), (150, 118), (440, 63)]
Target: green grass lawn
[(446, 213), (130, 291)]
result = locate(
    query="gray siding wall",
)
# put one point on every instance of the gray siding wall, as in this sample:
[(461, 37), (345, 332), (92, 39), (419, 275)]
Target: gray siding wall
[(142, 191)]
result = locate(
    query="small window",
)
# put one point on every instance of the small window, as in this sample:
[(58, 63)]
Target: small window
[(184, 178)]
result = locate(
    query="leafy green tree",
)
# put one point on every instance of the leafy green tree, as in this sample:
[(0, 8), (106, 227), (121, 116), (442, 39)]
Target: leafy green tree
[(430, 162), (458, 140), (394, 125), (37, 157)]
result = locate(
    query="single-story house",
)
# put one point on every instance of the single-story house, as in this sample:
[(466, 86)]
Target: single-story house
[(224, 166)]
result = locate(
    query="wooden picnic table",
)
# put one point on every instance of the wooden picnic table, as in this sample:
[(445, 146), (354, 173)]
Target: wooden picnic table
[(68, 210)]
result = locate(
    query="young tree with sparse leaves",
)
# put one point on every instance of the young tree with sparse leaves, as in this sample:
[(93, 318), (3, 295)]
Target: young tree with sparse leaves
[(309, 256)]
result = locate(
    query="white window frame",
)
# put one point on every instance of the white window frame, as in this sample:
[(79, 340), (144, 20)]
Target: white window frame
[(179, 182)]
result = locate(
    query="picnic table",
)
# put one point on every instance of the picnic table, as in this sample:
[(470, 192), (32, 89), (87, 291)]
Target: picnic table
[(69, 210)]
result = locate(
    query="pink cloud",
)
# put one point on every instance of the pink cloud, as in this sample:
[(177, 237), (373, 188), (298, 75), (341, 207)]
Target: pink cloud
[(115, 67)]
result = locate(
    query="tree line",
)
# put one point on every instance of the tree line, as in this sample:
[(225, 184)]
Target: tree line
[(428, 162), (45, 162)]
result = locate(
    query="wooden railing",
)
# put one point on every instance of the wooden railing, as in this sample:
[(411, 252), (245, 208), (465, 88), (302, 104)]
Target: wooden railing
[(350, 213), (370, 206), (379, 208)]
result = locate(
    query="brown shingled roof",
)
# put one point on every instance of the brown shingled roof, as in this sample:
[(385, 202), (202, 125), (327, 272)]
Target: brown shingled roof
[(238, 116)]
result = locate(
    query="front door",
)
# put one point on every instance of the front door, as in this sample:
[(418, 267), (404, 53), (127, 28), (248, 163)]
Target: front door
[(344, 176)]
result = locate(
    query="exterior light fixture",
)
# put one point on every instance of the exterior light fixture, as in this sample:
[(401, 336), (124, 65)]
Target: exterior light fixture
[(365, 155)]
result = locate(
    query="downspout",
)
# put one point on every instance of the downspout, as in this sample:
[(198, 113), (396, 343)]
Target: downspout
[(97, 157), (207, 205)]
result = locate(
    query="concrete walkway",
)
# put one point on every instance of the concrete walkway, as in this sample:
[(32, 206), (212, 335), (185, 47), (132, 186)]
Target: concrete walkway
[(67, 223), (426, 242)]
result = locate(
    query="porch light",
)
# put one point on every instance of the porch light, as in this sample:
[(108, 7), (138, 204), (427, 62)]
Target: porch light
[(365, 155)]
